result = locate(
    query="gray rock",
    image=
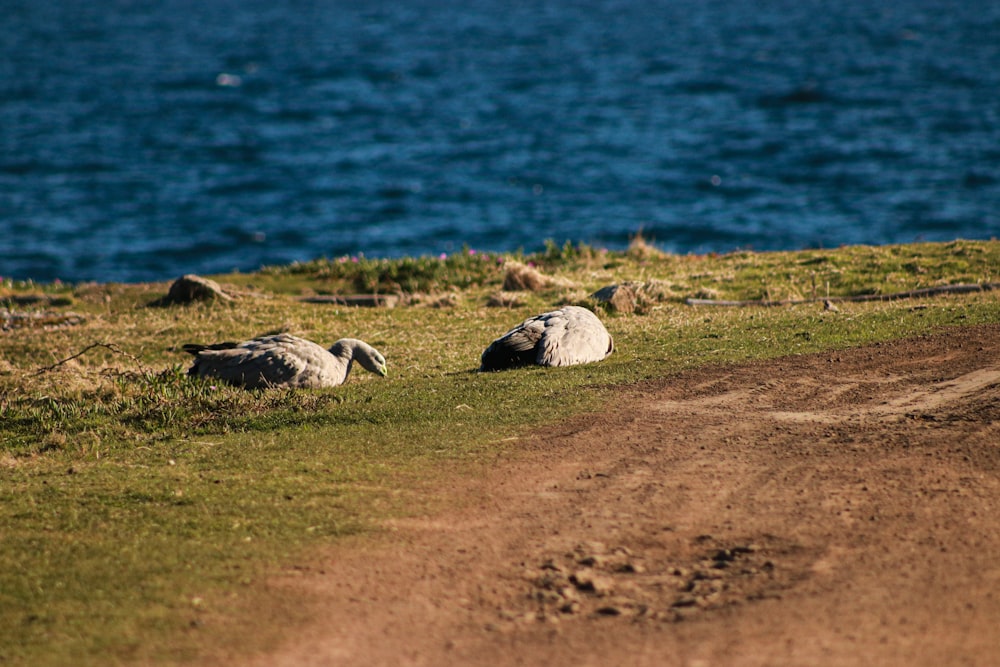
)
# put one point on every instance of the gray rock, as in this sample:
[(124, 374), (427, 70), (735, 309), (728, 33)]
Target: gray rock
[(191, 289), (619, 298)]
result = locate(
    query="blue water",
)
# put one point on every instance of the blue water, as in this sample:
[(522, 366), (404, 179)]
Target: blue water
[(142, 140)]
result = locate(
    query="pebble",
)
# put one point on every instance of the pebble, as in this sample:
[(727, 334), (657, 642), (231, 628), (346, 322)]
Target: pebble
[(587, 580)]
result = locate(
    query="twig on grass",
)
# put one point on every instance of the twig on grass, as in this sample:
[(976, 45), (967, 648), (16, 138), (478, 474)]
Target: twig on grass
[(910, 294), (109, 346)]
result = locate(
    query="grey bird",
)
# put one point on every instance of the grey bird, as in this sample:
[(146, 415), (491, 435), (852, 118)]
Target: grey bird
[(564, 337), (283, 360)]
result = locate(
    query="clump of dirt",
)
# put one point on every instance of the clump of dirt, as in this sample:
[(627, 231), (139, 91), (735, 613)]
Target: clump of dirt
[(593, 580)]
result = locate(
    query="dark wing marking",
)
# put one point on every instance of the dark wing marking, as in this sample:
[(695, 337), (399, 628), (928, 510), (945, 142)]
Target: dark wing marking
[(517, 347)]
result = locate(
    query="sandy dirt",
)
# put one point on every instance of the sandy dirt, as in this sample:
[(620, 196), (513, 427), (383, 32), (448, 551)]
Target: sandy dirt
[(832, 509)]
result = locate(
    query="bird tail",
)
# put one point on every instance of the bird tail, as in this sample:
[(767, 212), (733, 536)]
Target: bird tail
[(501, 355), (195, 348)]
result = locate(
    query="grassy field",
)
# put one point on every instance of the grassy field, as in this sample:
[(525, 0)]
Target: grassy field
[(140, 509)]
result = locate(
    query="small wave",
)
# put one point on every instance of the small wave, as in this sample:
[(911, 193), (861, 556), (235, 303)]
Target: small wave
[(808, 93), (977, 179), (241, 187), (235, 153), (392, 211), (40, 168), (705, 87)]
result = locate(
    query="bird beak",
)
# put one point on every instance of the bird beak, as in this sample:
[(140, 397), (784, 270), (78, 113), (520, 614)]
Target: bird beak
[(382, 371)]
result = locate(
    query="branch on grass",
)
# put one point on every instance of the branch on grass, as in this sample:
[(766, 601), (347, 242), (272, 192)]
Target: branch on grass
[(108, 346), (911, 294)]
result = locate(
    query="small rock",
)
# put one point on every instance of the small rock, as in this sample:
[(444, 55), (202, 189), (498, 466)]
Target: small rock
[(550, 580), (746, 549), (569, 593), (630, 567), (546, 597), (709, 570), (587, 580), (570, 607), (191, 288), (724, 555), (550, 564), (620, 298), (592, 561), (585, 548)]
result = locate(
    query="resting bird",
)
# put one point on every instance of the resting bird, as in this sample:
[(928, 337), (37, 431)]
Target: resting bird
[(570, 335), (283, 360)]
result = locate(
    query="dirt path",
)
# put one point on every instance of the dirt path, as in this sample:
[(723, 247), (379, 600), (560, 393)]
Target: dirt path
[(835, 509)]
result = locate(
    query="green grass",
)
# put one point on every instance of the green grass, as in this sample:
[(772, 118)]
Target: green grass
[(142, 510)]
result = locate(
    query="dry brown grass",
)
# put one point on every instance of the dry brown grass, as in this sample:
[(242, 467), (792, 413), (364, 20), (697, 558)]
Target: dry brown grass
[(521, 277)]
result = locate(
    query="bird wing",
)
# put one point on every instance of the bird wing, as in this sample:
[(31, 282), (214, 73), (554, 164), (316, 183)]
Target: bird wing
[(261, 362), (517, 347), (573, 335), (195, 348)]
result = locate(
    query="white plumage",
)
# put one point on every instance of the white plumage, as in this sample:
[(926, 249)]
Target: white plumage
[(564, 337), (283, 360)]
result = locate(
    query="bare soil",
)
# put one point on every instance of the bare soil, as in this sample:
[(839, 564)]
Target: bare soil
[(830, 509)]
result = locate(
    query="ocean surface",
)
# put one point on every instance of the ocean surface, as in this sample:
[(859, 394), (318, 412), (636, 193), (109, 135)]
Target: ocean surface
[(143, 140)]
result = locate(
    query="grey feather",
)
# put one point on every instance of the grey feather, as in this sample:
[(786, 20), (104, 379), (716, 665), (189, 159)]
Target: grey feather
[(283, 360)]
